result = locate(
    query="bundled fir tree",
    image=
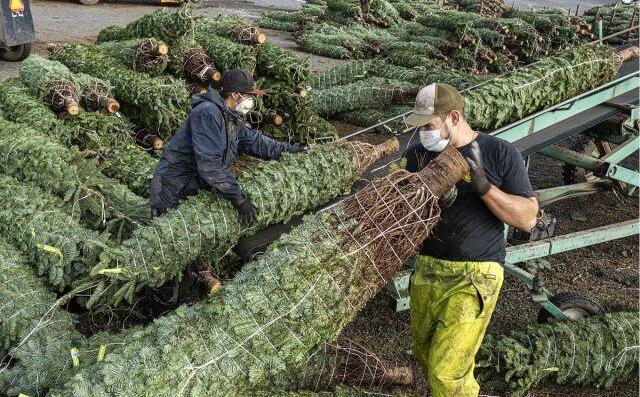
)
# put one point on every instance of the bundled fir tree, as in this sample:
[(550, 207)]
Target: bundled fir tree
[(146, 55), (364, 94), (458, 79), (110, 139), (21, 106), (550, 81), (486, 8), (615, 18), (163, 24), (207, 225), (188, 60), (38, 224), (160, 106), (95, 133), (332, 45), (293, 21), (36, 335), (342, 74), (52, 82), (291, 103), (225, 53), (597, 351), (96, 94), (282, 65), (236, 29), (28, 154), (260, 329), (369, 117)]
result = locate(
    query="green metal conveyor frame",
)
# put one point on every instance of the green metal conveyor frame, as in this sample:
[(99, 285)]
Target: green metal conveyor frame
[(539, 133)]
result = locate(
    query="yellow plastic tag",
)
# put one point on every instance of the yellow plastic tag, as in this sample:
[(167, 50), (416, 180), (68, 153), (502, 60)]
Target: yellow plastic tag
[(47, 248), (22, 395), (74, 356), (52, 250), (102, 350), (115, 270)]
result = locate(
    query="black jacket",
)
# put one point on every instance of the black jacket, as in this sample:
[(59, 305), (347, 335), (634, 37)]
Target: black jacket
[(200, 153)]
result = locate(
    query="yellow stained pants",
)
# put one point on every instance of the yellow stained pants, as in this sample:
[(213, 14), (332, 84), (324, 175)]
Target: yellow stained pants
[(451, 305)]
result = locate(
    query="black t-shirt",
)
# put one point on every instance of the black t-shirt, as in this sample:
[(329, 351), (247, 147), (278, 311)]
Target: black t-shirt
[(468, 230)]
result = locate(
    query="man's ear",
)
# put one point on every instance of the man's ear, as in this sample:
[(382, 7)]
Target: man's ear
[(455, 117)]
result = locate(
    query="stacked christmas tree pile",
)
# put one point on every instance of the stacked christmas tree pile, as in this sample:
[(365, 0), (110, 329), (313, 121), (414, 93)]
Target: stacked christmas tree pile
[(480, 36), (615, 18), (200, 50)]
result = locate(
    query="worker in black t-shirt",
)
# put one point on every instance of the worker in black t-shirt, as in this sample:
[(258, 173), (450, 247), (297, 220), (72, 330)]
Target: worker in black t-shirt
[(458, 273)]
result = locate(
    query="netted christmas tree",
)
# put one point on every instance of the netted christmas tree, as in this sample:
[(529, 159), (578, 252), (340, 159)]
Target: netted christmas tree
[(52, 82), (615, 18), (550, 81), (293, 21), (458, 79), (207, 225), (225, 53), (97, 201), (188, 60), (342, 74), (282, 65), (96, 94), (332, 45), (486, 8), (36, 335), (19, 105), (235, 28), (261, 328), (597, 351), (368, 93), (163, 24), (370, 117), (95, 133), (158, 105), (147, 55), (38, 224)]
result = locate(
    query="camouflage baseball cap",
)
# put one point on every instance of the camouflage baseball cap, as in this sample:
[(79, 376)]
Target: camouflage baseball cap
[(432, 101)]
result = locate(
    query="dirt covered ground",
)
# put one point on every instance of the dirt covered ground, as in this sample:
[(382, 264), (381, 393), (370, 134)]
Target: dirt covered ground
[(606, 272)]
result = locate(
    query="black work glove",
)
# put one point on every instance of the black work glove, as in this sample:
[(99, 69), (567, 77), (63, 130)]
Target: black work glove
[(298, 149), (448, 198), (479, 181), (246, 212)]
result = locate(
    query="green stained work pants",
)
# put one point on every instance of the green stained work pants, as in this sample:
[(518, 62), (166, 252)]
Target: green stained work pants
[(451, 305)]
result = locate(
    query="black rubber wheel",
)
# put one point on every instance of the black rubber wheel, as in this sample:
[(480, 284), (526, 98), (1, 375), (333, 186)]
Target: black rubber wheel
[(572, 174), (575, 305), (16, 53)]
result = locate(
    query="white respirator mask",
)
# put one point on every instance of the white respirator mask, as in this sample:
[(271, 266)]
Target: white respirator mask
[(245, 106), (431, 139)]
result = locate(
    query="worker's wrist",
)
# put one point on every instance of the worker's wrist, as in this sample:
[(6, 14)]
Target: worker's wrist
[(488, 193)]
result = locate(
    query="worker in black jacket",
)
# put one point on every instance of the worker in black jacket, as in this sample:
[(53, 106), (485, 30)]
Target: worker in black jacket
[(200, 153)]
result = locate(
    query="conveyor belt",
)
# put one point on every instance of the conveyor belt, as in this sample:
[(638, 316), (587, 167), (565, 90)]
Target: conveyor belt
[(573, 125)]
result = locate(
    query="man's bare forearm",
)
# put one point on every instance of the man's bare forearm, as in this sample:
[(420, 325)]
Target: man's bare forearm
[(515, 211)]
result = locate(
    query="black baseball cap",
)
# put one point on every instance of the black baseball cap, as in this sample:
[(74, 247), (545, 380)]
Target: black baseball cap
[(238, 80)]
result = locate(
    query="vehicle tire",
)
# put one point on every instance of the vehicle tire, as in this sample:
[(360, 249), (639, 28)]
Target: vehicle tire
[(572, 174), (89, 2), (16, 53), (575, 305)]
